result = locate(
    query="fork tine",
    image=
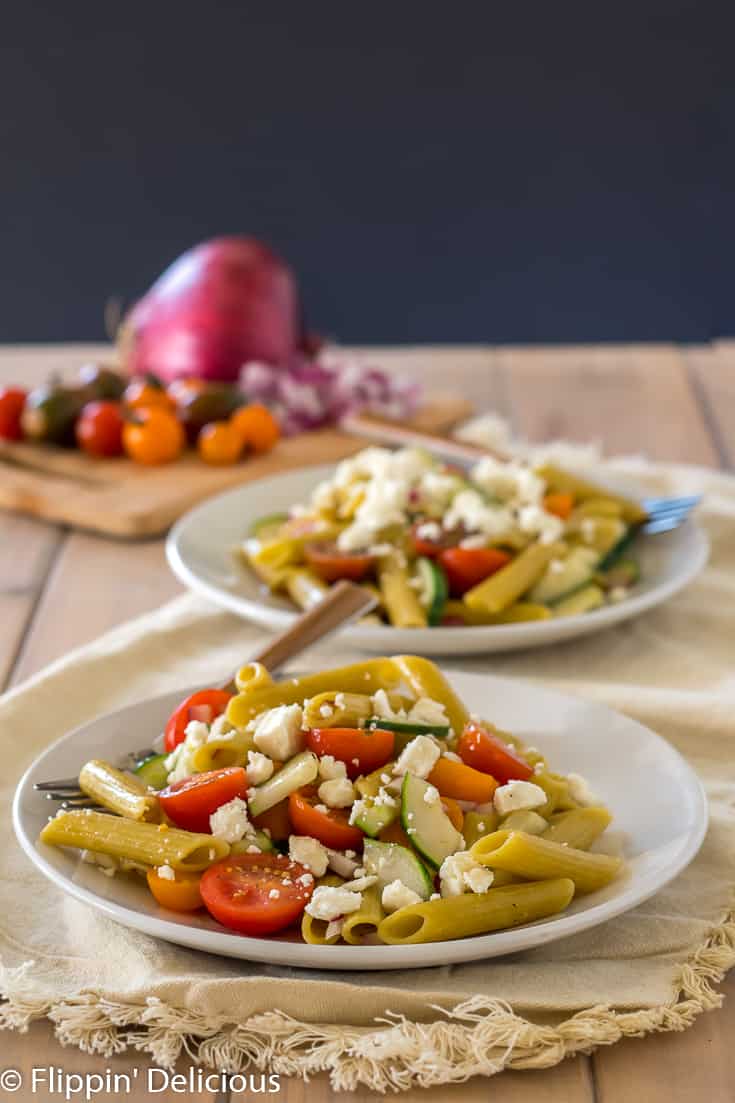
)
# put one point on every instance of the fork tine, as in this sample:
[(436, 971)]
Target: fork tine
[(665, 524), (70, 806), (665, 505), (63, 783), (66, 794)]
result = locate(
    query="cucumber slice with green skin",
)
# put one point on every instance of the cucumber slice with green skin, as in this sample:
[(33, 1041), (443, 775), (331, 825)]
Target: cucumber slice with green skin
[(618, 551), (578, 569), (403, 727), (434, 587), (300, 770), (374, 817), (427, 825), (258, 838), (581, 601), (624, 572), (268, 525), (393, 862), (152, 771)]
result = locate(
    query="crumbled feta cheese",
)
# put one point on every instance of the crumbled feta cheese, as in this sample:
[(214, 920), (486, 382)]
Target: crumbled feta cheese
[(343, 864), (428, 711), (259, 767), (397, 895), (536, 521), (429, 530), (274, 894), (230, 821), (359, 884), (431, 795), (338, 792), (321, 808), (382, 707), (617, 594), (488, 431), (417, 757), (180, 762), (460, 872), (105, 862), (517, 795), (580, 791), (470, 510), (221, 728), (305, 879), (308, 852), (278, 732), (166, 873), (334, 929), (253, 849), (588, 529), (359, 808), (331, 901), (197, 732), (330, 768), (384, 799), (325, 711)]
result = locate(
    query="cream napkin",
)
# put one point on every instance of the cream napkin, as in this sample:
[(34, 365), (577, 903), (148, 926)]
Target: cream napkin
[(106, 987)]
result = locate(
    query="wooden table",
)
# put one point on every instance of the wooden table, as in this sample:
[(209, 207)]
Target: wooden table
[(59, 589)]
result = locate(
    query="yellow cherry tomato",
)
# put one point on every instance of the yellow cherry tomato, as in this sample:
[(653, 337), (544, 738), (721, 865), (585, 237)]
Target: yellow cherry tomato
[(154, 436), (178, 895), (220, 442), (257, 427)]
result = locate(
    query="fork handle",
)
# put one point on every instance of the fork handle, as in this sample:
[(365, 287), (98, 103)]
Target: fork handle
[(341, 605)]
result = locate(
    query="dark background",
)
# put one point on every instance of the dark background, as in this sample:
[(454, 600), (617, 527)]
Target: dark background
[(467, 171)]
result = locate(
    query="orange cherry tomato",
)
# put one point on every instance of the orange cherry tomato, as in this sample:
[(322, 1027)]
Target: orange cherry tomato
[(219, 442), (462, 782), (12, 401), (205, 705), (256, 894), (258, 428), (331, 565), (333, 827), (154, 436), (466, 567), (144, 392), (561, 505), (180, 895), (361, 749), (190, 802), (99, 429), (486, 751), (454, 812)]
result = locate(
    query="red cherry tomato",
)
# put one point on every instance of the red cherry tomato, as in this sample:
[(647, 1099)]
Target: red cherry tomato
[(205, 705), (466, 567), (361, 749), (190, 803), (12, 401), (332, 565), (486, 751), (256, 894), (430, 548), (99, 429), (332, 827)]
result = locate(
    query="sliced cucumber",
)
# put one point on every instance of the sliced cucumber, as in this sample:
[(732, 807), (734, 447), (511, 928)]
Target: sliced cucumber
[(577, 570), (259, 839), (581, 601), (368, 785), (374, 817), (152, 771), (300, 770), (404, 727), (393, 862), (267, 527), (624, 572), (434, 588), (427, 824)]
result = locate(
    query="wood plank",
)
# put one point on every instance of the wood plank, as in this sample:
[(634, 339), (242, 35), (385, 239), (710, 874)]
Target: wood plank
[(27, 548), (713, 374)]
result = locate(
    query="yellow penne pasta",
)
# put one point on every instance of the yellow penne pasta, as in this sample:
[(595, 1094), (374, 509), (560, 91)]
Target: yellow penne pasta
[(362, 926), (478, 824), (120, 792), (596, 507), (314, 931), (228, 749), (148, 844), (579, 827), (537, 859), (475, 914), (253, 676), (524, 820), (304, 587), (519, 612), (503, 588), (583, 601), (426, 680), (400, 600), (566, 483), (335, 709), (556, 788)]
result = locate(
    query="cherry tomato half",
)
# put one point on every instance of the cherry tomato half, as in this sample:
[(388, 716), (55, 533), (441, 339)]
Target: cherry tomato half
[(256, 894), (205, 705), (466, 567), (190, 803), (361, 749), (99, 429), (332, 827), (487, 751), (180, 895), (12, 401), (332, 565), (430, 547)]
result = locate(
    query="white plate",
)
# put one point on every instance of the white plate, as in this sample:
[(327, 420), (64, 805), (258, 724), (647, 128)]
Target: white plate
[(623, 761), (200, 552)]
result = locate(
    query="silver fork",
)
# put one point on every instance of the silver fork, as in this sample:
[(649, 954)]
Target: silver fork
[(342, 604)]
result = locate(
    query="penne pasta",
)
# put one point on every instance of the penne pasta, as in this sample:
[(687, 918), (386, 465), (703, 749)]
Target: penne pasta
[(314, 931), (304, 587), (535, 858), (557, 791), (525, 820), (579, 827), (229, 749), (120, 792), (503, 588), (519, 612), (362, 926), (253, 676), (399, 598), (426, 680), (148, 844), (564, 482), (476, 914)]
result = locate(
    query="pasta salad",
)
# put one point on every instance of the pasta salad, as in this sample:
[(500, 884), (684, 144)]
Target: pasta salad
[(502, 543), (356, 805)]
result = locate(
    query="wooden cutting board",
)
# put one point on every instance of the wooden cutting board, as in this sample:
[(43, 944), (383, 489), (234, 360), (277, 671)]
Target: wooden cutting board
[(121, 498)]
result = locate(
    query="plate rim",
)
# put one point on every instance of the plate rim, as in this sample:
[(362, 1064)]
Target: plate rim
[(473, 638), (350, 958)]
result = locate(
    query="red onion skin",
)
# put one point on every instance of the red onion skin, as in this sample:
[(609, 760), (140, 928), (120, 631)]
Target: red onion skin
[(221, 304)]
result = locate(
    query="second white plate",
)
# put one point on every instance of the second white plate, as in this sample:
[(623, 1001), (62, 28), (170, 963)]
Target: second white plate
[(200, 552)]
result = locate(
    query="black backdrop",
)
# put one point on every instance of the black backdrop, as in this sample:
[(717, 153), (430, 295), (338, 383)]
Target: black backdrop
[(458, 171)]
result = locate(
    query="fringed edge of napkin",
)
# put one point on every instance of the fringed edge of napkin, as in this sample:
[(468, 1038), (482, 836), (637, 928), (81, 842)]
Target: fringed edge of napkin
[(478, 1037)]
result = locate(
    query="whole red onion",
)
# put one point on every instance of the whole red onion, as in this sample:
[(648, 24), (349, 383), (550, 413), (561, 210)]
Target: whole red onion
[(221, 304)]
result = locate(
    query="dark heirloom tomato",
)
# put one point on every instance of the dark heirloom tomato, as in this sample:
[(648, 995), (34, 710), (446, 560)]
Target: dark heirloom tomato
[(331, 827), (205, 705), (190, 803), (256, 894), (332, 565), (361, 749), (486, 751)]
